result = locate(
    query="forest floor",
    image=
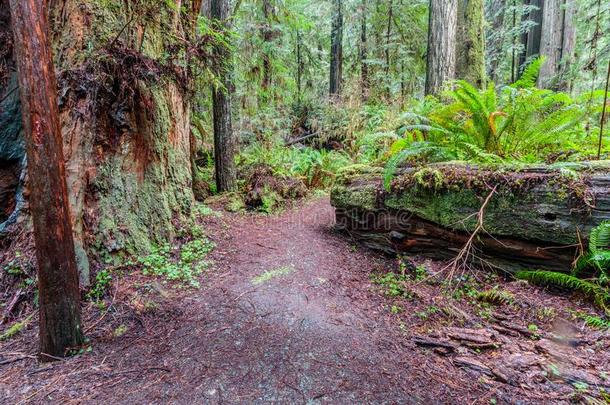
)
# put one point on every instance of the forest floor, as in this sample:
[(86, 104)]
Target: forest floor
[(289, 313)]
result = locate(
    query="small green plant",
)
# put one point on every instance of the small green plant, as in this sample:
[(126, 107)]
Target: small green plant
[(13, 267), (593, 321), (103, 279), (394, 285), (546, 313), (591, 289), (598, 256), (395, 309), (183, 267), (204, 211), (271, 274), (420, 272), (533, 328), (120, 331), (425, 314), (195, 250), (15, 328), (496, 296)]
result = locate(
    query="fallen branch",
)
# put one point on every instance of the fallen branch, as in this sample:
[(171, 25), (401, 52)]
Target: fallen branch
[(16, 359), (303, 138)]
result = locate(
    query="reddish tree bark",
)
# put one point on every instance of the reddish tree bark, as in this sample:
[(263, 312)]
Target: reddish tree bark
[(60, 325)]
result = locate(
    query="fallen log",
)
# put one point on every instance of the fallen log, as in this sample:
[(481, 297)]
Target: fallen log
[(538, 216)]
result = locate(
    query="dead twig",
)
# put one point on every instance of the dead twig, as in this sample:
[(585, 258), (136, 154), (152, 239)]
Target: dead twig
[(460, 262), (11, 305), (16, 359)]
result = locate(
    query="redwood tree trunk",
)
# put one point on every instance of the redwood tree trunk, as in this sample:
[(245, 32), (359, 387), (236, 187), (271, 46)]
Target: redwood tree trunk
[(568, 45), (470, 65), (550, 41), (221, 98), (60, 324), (442, 30), (336, 51)]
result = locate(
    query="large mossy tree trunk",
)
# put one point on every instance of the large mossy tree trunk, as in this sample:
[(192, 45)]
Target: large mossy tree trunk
[(470, 53), (536, 217), (124, 114)]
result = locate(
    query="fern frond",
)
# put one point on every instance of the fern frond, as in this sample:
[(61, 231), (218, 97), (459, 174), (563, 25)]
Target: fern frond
[(416, 149), (399, 145), (477, 154), (599, 294), (423, 127), (529, 77), (599, 239)]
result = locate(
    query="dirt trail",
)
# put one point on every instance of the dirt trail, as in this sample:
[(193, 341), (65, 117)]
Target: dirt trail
[(286, 316)]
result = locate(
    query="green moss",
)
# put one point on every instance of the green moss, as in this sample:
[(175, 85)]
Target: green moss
[(361, 195), (15, 328), (271, 274)]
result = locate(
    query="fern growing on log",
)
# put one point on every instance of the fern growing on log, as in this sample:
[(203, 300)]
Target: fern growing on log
[(519, 122)]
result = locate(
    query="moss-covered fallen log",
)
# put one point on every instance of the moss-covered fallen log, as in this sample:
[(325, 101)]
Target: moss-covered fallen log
[(537, 216)]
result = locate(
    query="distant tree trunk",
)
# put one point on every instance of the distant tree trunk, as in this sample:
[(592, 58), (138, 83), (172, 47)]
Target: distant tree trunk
[(568, 46), (267, 37), (513, 61), (550, 42), (60, 323), (299, 66), (224, 144), (557, 42), (470, 53), (336, 51), (364, 69), (442, 30), (387, 38), (531, 39)]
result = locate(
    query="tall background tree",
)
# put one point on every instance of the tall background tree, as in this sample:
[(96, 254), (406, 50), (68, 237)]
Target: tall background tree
[(336, 50), (59, 295), (224, 144), (557, 42), (364, 69), (442, 32)]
